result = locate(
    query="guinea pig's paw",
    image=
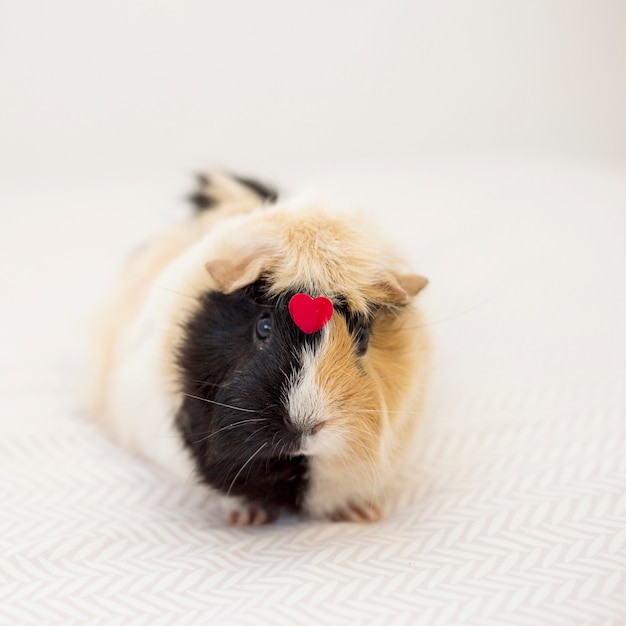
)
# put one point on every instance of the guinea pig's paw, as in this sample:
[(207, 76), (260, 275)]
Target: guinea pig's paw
[(362, 513), (241, 513)]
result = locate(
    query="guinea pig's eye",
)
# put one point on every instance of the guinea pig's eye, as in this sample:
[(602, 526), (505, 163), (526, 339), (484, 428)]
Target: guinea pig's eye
[(362, 340), (263, 327)]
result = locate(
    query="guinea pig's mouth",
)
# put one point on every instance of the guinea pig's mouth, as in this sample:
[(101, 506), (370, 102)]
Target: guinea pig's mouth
[(293, 446), (300, 440), (305, 445)]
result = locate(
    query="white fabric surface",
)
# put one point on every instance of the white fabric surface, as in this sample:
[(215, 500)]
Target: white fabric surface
[(514, 508)]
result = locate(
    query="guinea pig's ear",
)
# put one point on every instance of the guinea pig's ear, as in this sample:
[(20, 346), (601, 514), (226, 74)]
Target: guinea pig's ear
[(398, 289), (230, 276)]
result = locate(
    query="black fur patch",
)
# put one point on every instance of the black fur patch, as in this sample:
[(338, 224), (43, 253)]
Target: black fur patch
[(264, 191), (201, 201), (233, 417)]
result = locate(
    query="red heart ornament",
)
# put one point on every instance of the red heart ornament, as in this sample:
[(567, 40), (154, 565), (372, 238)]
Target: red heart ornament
[(308, 314)]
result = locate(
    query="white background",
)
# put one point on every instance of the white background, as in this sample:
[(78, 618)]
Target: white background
[(128, 89)]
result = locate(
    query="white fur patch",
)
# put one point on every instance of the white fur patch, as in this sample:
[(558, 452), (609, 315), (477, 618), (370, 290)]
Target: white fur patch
[(307, 405), (305, 400), (141, 412)]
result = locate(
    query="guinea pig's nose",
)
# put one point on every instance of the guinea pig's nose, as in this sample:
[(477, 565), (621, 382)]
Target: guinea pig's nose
[(292, 428), (316, 429), (289, 424)]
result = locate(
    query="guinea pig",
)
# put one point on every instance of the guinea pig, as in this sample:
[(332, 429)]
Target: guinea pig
[(270, 347)]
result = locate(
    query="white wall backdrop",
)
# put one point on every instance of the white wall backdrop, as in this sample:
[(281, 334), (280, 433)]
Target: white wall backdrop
[(126, 87)]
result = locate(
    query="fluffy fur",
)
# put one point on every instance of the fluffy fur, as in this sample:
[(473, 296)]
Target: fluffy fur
[(199, 367)]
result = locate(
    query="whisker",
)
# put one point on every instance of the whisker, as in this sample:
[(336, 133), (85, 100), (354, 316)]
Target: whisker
[(386, 411), (208, 383), (229, 427), (439, 321), (244, 465), (153, 283), (228, 406)]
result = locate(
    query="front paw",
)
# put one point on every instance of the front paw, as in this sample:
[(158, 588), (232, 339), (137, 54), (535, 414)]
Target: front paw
[(362, 513), (241, 513)]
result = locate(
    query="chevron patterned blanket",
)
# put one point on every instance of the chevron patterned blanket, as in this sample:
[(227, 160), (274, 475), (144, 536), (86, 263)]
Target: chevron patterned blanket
[(512, 509)]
